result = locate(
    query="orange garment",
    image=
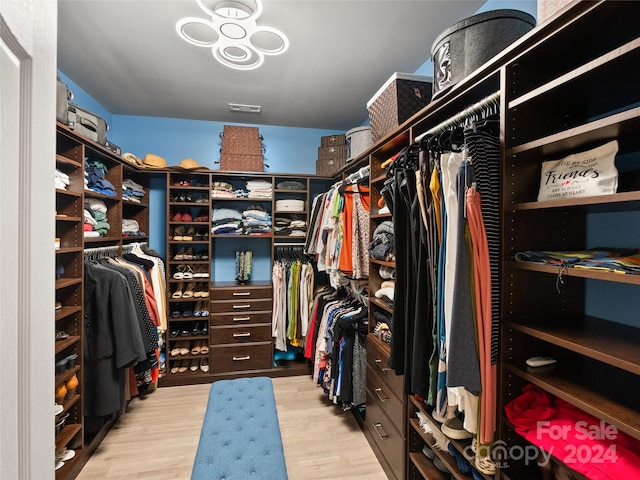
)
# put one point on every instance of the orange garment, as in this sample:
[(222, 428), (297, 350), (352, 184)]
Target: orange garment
[(345, 263)]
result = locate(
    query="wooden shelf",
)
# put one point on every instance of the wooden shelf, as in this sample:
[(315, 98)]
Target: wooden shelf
[(617, 201), (608, 342), (67, 282), (600, 406), (382, 262), (381, 304), (67, 161), (101, 196), (101, 239), (66, 343), (67, 311), (68, 250), (375, 216), (427, 469), (65, 218), (68, 192), (66, 435), (576, 272)]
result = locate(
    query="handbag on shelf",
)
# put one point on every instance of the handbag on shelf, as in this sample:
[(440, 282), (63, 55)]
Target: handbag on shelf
[(244, 259)]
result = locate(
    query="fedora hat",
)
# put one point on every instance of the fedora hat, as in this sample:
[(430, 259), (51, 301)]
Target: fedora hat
[(151, 160), (190, 164)]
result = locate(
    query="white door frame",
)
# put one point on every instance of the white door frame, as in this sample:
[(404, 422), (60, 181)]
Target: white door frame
[(28, 43)]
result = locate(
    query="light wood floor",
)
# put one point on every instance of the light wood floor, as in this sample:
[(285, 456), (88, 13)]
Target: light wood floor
[(158, 436)]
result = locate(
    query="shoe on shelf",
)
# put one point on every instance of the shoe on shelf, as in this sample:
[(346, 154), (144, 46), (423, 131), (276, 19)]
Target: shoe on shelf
[(184, 365), (187, 312), (178, 233), (178, 292), (195, 364), (180, 254), (188, 253), (191, 231), (179, 275), (197, 311), (188, 292), (186, 216), (453, 428), (204, 293), (188, 272), (195, 349), (185, 347), (204, 364), (175, 349), (178, 217), (204, 347)]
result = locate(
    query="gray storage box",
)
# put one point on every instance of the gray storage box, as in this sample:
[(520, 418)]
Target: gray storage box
[(467, 45)]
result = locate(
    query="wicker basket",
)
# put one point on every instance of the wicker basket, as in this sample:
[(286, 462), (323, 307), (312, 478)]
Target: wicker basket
[(332, 140), (332, 153), (397, 100), (241, 163), (329, 167), (241, 140)]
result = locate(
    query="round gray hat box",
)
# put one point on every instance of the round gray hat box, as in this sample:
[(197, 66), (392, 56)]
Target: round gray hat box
[(467, 45)]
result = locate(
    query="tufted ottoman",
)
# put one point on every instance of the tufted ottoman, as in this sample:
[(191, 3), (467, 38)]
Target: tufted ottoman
[(240, 437)]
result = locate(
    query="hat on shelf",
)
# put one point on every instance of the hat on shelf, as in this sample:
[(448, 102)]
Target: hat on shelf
[(132, 159), (190, 164), (151, 160)]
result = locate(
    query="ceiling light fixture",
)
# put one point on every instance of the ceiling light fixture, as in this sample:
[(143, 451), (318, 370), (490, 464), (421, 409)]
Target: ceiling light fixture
[(232, 33), (238, 107)]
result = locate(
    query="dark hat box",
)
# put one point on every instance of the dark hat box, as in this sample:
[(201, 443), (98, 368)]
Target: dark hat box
[(467, 45)]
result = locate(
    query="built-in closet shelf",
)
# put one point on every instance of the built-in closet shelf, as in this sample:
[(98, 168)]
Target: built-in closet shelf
[(67, 312), (67, 282), (231, 235), (290, 237), (195, 262), (204, 319), (191, 204), (375, 216), (66, 343), (67, 404), (68, 192), (60, 379), (426, 468), (624, 201), (129, 203), (379, 179), (101, 196), (67, 433), (425, 465), (201, 224), (182, 187), (381, 304), (65, 218), (600, 406), (68, 161), (576, 272), (595, 72), (183, 242), (608, 342), (241, 199), (101, 239), (462, 446), (289, 212), (600, 130), (68, 250), (137, 238), (382, 262), (291, 191)]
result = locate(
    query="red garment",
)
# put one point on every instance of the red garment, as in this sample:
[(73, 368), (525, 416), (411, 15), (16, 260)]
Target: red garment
[(589, 446), (87, 227)]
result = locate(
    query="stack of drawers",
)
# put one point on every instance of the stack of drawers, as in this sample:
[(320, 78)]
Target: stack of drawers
[(385, 423), (240, 327)]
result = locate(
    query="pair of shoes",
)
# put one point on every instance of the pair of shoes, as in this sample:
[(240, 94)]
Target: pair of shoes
[(178, 233), (178, 292), (182, 183), (200, 347), (182, 215), (202, 199), (201, 291), (183, 197), (201, 236), (203, 215), (201, 271), (184, 254), (181, 347), (201, 309), (185, 272), (180, 366)]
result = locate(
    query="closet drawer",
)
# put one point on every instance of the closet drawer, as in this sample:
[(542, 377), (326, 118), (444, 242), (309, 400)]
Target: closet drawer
[(240, 306), (237, 358), (379, 360), (239, 318), (240, 293), (240, 334), (387, 401), (385, 435)]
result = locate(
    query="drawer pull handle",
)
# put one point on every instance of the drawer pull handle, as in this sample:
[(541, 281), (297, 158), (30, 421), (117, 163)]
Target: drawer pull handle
[(378, 362), (241, 319), (241, 294), (238, 307), (243, 334), (238, 359), (382, 399), (377, 426)]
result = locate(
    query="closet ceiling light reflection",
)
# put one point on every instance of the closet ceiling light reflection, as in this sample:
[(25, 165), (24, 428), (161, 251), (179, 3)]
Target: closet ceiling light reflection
[(232, 34)]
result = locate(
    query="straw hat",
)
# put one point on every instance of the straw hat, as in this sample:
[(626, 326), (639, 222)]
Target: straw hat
[(151, 160), (190, 164)]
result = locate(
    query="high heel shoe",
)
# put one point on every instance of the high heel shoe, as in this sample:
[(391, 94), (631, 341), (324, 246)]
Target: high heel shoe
[(188, 253), (178, 233), (179, 275), (188, 292), (189, 235), (180, 254)]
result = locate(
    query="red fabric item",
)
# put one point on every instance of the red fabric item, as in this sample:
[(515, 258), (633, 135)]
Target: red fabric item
[(87, 227), (589, 446)]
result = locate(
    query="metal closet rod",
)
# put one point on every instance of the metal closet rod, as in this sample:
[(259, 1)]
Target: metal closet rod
[(490, 101)]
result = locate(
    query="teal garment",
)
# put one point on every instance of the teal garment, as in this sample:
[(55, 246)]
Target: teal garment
[(102, 227)]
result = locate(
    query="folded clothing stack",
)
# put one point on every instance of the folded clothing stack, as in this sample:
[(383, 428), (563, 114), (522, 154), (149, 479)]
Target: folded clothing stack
[(131, 228), (62, 180), (132, 191), (226, 221), (259, 189), (256, 221), (293, 227), (95, 218), (382, 246), (290, 185), (289, 205), (94, 172), (222, 190)]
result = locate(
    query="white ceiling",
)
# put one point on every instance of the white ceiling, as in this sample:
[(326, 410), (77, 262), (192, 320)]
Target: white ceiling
[(128, 56)]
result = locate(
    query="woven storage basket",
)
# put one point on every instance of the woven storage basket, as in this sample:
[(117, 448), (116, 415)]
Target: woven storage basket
[(397, 100), (331, 140), (241, 140), (329, 167), (334, 152), (241, 163)]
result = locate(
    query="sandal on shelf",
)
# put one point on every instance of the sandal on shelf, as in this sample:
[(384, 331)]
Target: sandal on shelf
[(179, 275), (204, 348), (180, 254), (188, 292), (188, 254), (204, 292), (188, 272), (178, 291)]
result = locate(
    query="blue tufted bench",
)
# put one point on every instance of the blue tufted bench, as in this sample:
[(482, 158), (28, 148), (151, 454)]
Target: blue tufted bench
[(240, 436)]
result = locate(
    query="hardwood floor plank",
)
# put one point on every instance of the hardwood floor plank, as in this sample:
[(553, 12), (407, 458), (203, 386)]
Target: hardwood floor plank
[(158, 436)]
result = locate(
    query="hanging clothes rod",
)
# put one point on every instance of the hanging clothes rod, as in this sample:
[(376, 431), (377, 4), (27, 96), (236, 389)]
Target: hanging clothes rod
[(490, 104), (355, 177), (128, 248), (98, 252), (290, 244)]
